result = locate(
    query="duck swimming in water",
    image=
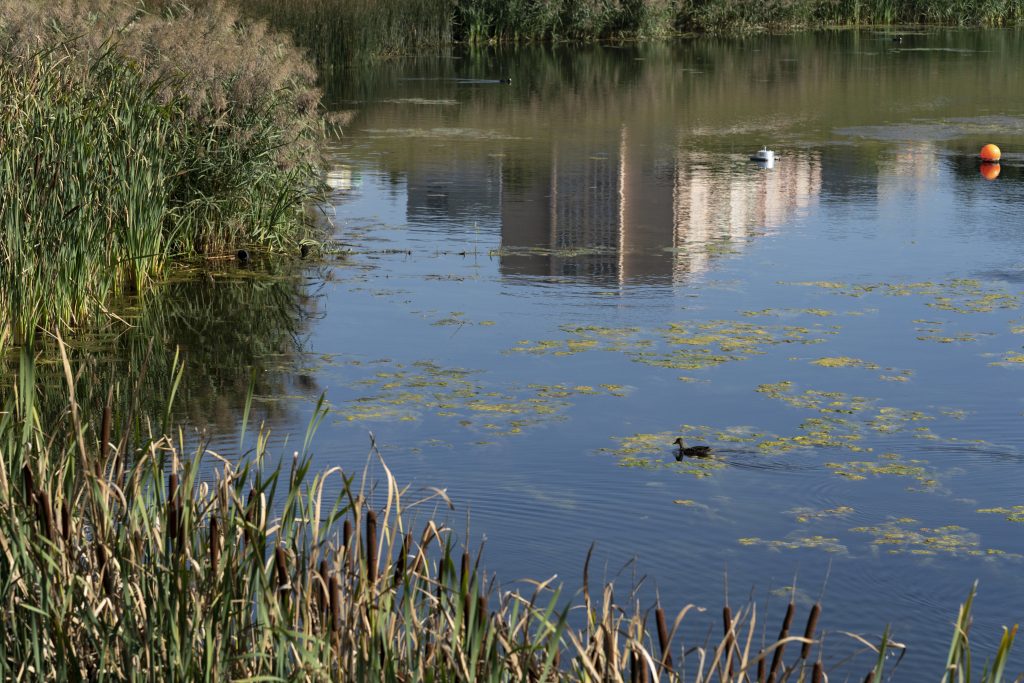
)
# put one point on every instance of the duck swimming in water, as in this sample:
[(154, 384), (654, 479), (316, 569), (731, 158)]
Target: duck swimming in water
[(691, 451)]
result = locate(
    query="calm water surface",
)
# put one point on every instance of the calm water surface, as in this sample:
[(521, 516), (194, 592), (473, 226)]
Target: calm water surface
[(550, 281)]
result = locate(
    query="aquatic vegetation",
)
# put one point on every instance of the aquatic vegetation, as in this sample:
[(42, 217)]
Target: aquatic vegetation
[(786, 312), (1013, 514), (655, 452), (844, 362), (904, 536), (806, 514), (833, 429), (797, 542), (706, 344), (934, 330), (960, 295), (586, 338), (125, 151), (1010, 359), (888, 464), (408, 393)]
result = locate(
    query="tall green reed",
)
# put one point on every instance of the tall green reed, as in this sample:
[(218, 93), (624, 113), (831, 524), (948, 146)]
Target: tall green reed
[(131, 141), (82, 189)]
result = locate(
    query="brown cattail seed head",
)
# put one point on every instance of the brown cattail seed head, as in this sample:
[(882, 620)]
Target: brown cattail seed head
[(783, 633), (666, 653), (214, 545), (371, 546), (812, 624), (334, 588)]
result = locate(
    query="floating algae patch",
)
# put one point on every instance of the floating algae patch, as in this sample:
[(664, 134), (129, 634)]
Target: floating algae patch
[(788, 312), (935, 331), (559, 252), (585, 338), (806, 514), (961, 295), (698, 345), (425, 388), (1013, 514), (902, 535), (1010, 359), (652, 451), (843, 419), (844, 362), (888, 464), (798, 542)]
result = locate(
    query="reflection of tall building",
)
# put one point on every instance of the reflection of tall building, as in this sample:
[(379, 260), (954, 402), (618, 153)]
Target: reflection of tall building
[(719, 205), (459, 190), (626, 214)]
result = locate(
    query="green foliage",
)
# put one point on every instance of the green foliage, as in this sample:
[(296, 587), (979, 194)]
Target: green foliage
[(130, 140)]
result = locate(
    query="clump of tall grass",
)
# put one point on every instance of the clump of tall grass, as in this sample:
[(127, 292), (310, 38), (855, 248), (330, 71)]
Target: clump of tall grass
[(130, 139), (124, 556)]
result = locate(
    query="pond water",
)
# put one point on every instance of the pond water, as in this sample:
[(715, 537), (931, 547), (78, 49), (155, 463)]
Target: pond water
[(548, 281), (553, 279)]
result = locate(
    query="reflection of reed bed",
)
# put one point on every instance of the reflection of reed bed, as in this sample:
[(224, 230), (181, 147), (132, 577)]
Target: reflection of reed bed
[(124, 150), (339, 31), (118, 562), (242, 332)]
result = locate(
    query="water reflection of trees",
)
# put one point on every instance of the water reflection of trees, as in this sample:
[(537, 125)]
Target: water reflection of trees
[(623, 161), (244, 326)]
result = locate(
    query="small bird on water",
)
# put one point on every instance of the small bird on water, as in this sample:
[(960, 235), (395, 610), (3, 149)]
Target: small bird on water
[(691, 451)]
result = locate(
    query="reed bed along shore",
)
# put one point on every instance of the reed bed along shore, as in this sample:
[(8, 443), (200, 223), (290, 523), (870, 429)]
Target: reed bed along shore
[(124, 556), (339, 31), (134, 138)]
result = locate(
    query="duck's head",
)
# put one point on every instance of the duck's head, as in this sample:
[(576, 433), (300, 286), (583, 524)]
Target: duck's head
[(679, 442)]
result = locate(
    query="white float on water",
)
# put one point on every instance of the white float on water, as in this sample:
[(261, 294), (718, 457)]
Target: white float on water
[(764, 155)]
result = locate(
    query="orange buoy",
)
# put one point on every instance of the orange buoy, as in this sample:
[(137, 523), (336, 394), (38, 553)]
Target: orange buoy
[(990, 170), (990, 153)]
